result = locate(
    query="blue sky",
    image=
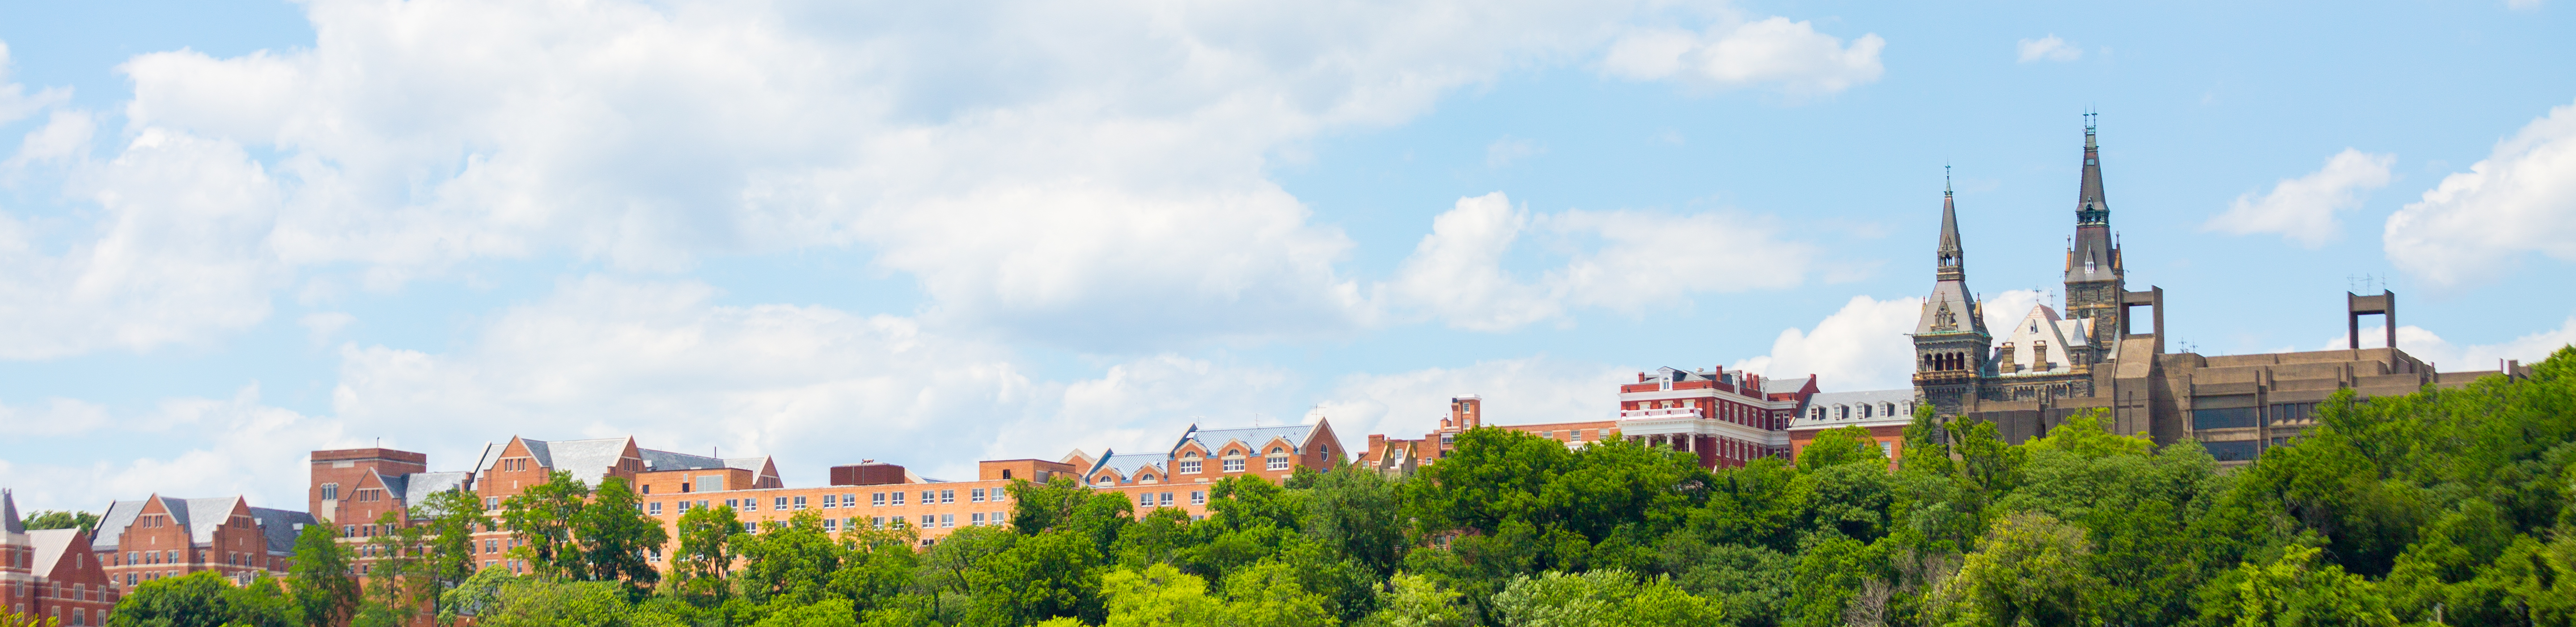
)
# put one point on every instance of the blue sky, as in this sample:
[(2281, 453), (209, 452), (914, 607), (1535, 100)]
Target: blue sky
[(236, 232)]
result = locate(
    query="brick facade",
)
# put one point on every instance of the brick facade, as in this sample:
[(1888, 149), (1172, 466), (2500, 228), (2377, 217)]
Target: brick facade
[(51, 573)]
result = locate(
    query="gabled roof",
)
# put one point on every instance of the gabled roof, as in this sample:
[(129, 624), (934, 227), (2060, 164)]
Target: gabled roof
[(201, 516), (587, 460), (418, 486), (1253, 437), (1129, 464), (1902, 398), (280, 526), (51, 545), (396, 486)]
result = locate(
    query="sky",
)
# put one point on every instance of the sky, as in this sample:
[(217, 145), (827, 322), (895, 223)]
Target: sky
[(932, 233)]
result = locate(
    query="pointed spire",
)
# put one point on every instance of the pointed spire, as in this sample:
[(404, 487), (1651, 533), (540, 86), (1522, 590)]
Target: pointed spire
[(9, 521), (1950, 261), (2091, 208)]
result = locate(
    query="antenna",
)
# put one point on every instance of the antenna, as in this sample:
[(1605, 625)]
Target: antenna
[(1945, 180)]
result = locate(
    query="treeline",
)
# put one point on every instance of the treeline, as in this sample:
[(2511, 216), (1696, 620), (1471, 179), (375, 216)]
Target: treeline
[(2449, 507)]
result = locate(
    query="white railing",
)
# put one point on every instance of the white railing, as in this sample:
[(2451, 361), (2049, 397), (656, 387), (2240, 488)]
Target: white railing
[(1667, 412)]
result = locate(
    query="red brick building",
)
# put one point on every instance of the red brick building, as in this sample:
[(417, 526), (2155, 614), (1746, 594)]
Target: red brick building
[(160, 537), (1725, 418), (51, 573)]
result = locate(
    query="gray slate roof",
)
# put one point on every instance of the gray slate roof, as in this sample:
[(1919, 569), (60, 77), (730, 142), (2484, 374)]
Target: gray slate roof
[(1902, 398), (280, 526), (1252, 436)]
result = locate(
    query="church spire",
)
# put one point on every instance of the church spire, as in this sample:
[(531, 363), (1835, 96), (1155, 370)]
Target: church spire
[(2091, 209), (1950, 260)]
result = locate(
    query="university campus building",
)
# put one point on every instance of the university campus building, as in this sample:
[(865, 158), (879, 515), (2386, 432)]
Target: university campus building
[(363, 485), (2050, 366), (50, 573)]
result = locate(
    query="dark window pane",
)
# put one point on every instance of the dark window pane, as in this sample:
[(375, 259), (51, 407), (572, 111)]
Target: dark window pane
[(2244, 450), (2222, 418)]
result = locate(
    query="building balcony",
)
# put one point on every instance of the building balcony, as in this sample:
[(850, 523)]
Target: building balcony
[(1667, 412)]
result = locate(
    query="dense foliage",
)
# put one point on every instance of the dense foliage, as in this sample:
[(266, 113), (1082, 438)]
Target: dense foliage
[(2444, 506)]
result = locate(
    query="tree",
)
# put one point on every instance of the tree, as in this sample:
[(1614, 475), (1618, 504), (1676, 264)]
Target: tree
[(1604, 598), (614, 535), (1416, 601), (1836, 447), (542, 518), (2295, 591), (448, 520), (10, 618), (2030, 569), (790, 563), (1053, 573), (42, 519), (399, 583), (706, 555), (1159, 596), (202, 599), (326, 593), (1269, 594)]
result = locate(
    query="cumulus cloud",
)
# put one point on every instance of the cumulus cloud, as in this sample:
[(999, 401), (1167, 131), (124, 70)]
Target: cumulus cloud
[(15, 102), (1775, 52), (2452, 357), (2049, 48), (181, 256), (2303, 209), (1624, 261), (1863, 346), (221, 447), (1075, 175), (2520, 200)]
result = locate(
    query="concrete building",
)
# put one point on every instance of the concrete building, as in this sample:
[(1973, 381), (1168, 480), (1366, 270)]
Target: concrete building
[(2048, 366), (51, 573)]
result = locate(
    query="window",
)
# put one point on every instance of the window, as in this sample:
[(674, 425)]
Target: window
[(1145, 479), (947, 496), (876, 499), (947, 520), (975, 520), (656, 508), (2291, 412), (831, 524), (655, 555), (1167, 499), (751, 527), (831, 501), (1234, 464), (800, 503), (1886, 448), (781, 504), (648, 488), (879, 521), (330, 491), (734, 503), (898, 498), (1189, 466), (702, 504), (1144, 499), (1278, 461), (849, 500), (1448, 440), (491, 502), (2230, 418), (928, 521), (1198, 497), (684, 507), (929, 497), (975, 496), (2242, 450)]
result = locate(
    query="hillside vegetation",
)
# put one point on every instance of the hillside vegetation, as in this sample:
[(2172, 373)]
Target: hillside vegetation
[(2449, 505)]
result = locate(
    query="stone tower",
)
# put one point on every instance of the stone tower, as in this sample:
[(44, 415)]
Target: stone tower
[(2095, 279), (1951, 344)]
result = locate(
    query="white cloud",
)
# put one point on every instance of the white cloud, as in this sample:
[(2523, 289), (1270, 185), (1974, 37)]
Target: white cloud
[(1623, 260), (223, 447), (2048, 48), (66, 135), (1775, 52), (59, 416), (2303, 209), (322, 326), (181, 254), (1509, 149), (2449, 357), (15, 102), (1861, 347), (2520, 199), (1084, 176), (1515, 391)]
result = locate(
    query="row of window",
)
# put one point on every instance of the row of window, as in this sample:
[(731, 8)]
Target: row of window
[(837, 501), (1149, 499)]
